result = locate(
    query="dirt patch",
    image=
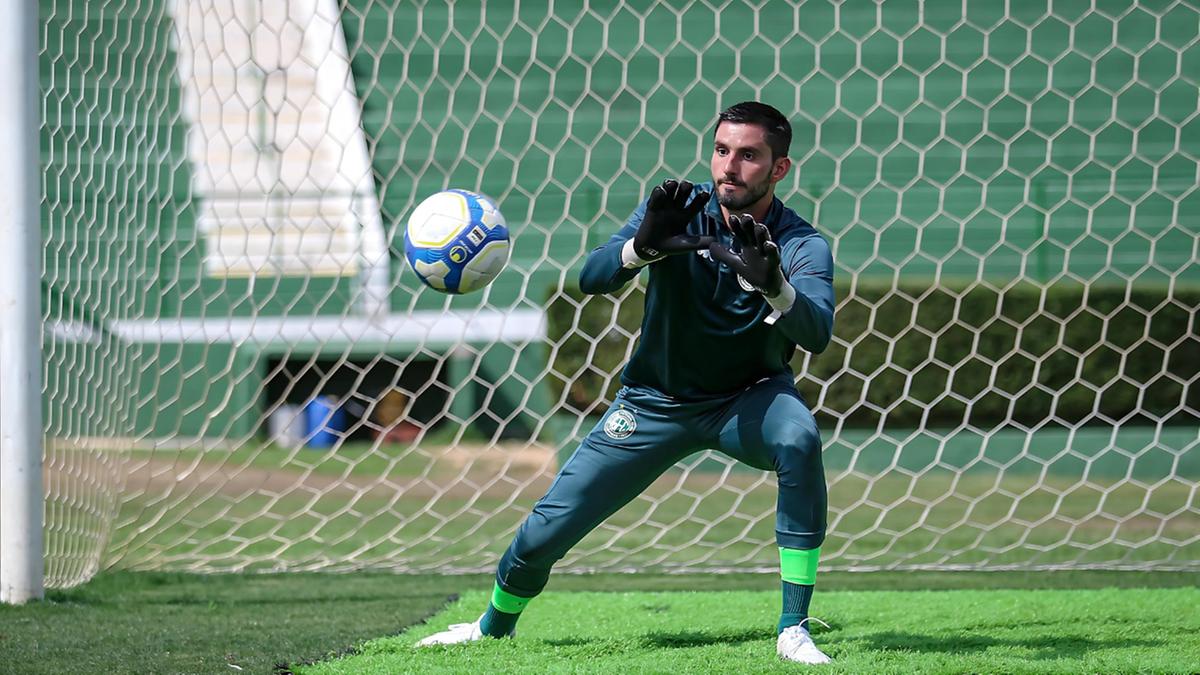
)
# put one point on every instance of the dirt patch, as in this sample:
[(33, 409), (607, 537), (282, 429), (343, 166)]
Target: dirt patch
[(462, 471)]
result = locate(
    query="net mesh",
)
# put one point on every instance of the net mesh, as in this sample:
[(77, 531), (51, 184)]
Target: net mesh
[(242, 374)]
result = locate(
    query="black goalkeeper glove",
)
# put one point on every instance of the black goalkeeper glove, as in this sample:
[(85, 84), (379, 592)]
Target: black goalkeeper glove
[(663, 230), (758, 260)]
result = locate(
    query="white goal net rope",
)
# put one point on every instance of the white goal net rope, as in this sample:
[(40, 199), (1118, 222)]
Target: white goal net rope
[(242, 373)]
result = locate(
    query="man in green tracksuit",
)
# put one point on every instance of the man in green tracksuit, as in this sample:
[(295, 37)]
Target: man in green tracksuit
[(737, 282)]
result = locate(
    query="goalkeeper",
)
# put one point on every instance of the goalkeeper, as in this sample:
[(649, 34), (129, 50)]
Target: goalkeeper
[(737, 282)]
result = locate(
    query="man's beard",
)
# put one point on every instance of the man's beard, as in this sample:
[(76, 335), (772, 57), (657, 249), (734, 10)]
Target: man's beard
[(753, 193)]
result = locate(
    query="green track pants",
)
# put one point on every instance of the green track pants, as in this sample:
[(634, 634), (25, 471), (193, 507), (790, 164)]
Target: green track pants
[(767, 426)]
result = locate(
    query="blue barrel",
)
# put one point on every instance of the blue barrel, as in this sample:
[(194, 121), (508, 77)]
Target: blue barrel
[(324, 420)]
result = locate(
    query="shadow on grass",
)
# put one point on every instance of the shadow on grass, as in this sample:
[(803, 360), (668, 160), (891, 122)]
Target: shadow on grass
[(1047, 647), (680, 639), (685, 639)]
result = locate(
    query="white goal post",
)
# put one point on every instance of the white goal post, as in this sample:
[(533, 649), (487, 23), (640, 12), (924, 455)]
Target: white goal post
[(21, 496), (239, 372)]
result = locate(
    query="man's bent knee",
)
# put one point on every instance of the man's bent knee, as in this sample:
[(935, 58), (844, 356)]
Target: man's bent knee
[(794, 445)]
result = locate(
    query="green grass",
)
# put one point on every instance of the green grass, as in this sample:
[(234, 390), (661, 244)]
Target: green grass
[(178, 623), (1013, 631), (137, 622)]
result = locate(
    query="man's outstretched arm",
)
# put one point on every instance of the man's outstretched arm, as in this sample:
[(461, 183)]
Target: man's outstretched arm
[(797, 282), (657, 228), (604, 271), (808, 319)]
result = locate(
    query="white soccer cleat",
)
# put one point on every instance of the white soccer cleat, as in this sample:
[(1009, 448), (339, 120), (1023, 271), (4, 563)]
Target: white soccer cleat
[(457, 633), (795, 644)]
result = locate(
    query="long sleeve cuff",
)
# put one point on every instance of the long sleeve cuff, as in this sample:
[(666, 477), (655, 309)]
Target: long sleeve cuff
[(631, 260), (781, 303)]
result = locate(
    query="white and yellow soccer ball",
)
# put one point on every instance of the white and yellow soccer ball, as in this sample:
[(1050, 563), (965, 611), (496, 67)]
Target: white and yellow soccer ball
[(456, 241)]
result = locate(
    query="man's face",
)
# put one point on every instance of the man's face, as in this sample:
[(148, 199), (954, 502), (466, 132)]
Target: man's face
[(742, 167)]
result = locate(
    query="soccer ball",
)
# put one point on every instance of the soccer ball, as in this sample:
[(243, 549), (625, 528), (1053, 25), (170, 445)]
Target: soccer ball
[(456, 241)]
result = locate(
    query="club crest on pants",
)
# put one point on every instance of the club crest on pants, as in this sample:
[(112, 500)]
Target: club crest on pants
[(620, 424)]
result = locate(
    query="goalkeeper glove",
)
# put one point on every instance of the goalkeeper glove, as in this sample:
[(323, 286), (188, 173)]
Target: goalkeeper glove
[(758, 260), (663, 230)]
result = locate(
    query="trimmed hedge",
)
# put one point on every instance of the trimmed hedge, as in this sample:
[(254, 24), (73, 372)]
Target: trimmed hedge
[(912, 355)]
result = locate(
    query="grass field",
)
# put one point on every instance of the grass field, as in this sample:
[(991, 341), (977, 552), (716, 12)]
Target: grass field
[(1101, 497), (1014, 631), (127, 622)]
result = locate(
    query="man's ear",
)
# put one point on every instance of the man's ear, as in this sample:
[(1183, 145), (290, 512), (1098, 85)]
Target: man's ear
[(781, 168)]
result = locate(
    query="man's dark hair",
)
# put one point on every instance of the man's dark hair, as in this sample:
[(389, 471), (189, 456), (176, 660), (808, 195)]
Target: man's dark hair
[(778, 129)]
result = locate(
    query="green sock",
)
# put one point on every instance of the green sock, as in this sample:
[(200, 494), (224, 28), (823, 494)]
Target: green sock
[(798, 568), (500, 619)]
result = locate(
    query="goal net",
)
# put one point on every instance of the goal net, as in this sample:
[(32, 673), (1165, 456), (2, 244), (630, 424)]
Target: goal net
[(241, 373)]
